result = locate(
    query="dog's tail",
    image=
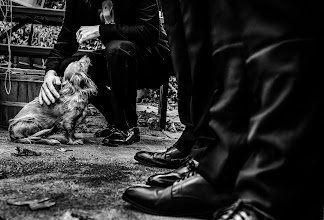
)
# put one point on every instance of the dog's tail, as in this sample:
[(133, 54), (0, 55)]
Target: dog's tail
[(37, 140)]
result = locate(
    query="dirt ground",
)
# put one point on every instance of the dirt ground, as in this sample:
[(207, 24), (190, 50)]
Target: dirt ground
[(85, 182)]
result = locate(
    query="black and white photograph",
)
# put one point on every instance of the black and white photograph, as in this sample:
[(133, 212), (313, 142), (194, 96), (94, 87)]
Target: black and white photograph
[(161, 110)]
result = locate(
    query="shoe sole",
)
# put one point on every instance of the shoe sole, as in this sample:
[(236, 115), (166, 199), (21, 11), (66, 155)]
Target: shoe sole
[(173, 214), (155, 164), (116, 144)]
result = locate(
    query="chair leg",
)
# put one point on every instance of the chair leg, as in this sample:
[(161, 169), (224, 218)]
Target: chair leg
[(163, 104)]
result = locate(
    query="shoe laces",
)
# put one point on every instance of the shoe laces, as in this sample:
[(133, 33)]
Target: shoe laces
[(117, 132), (187, 175), (239, 211), (191, 165), (233, 212)]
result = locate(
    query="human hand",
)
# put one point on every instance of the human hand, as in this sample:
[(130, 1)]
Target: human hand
[(87, 33), (48, 93)]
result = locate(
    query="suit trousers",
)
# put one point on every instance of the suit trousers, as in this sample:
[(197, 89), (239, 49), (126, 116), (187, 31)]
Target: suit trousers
[(119, 71), (269, 106), (190, 51)]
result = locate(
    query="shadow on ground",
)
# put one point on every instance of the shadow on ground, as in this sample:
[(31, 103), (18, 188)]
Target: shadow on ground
[(85, 182)]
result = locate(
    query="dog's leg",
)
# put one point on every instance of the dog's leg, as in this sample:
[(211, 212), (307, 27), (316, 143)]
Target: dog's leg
[(29, 132), (70, 122), (39, 137), (74, 139), (22, 129)]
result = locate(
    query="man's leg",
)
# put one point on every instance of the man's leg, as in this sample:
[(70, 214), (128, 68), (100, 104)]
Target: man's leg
[(191, 194), (123, 73), (230, 114), (195, 43), (129, 66), (281, 177), (98, 73), (283, 173), (174, 156)]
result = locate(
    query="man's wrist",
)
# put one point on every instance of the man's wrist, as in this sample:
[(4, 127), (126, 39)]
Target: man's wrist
[(51, 72)]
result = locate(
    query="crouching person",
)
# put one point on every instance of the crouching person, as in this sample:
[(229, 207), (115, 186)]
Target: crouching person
[(136, 55)]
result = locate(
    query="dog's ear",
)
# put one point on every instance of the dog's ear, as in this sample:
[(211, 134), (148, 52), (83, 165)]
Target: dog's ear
[(76, 80), (87, 86), (86, 63), (69, 72), (85, 82), (85, 59)]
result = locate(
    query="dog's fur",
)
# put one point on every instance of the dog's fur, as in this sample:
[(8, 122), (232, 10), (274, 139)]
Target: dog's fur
[(35, 122)]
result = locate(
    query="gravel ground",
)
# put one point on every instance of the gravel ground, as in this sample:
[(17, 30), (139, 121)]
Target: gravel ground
[(85, 182)]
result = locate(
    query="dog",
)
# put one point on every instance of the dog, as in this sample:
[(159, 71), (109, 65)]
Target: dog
[(34, 123)]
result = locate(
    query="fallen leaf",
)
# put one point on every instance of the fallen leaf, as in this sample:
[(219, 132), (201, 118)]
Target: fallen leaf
[(41, 205), (19, 202), (25, 152), (64, 150), (68, 216)]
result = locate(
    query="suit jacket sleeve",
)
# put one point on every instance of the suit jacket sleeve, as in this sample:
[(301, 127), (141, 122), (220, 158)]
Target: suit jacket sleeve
[(66, 44), (145, 29)]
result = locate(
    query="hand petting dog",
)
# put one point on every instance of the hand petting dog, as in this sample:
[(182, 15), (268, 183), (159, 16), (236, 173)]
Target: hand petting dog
[(64, 109), (48, 92)]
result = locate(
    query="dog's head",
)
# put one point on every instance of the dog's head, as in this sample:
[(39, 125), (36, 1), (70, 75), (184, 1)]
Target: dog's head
[(76, 75)]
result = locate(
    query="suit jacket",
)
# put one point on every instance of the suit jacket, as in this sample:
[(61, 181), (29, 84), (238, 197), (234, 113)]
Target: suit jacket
[(137, 21)]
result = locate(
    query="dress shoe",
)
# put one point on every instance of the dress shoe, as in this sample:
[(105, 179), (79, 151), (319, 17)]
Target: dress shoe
[(242, 211), (120, 137), (108, 130), (191, 196), (171, 158), (168, 178)]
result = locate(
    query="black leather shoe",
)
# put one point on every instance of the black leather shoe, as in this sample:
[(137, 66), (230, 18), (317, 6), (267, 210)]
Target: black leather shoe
[(171, 158), (119, 137), (242, 211), (190, 196), (168, 178), (106, 131)]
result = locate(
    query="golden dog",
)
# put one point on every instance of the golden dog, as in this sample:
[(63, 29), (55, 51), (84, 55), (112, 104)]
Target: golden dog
[(35, 122)]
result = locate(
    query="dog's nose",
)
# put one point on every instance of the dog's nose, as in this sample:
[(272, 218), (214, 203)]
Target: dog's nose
[(85, 58)]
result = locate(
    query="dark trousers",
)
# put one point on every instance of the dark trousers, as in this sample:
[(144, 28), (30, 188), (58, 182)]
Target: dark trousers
[(269, 107), (119, 71), (191, 62)]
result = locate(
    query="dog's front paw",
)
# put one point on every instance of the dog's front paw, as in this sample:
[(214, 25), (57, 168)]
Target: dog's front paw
[(76, 142)]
